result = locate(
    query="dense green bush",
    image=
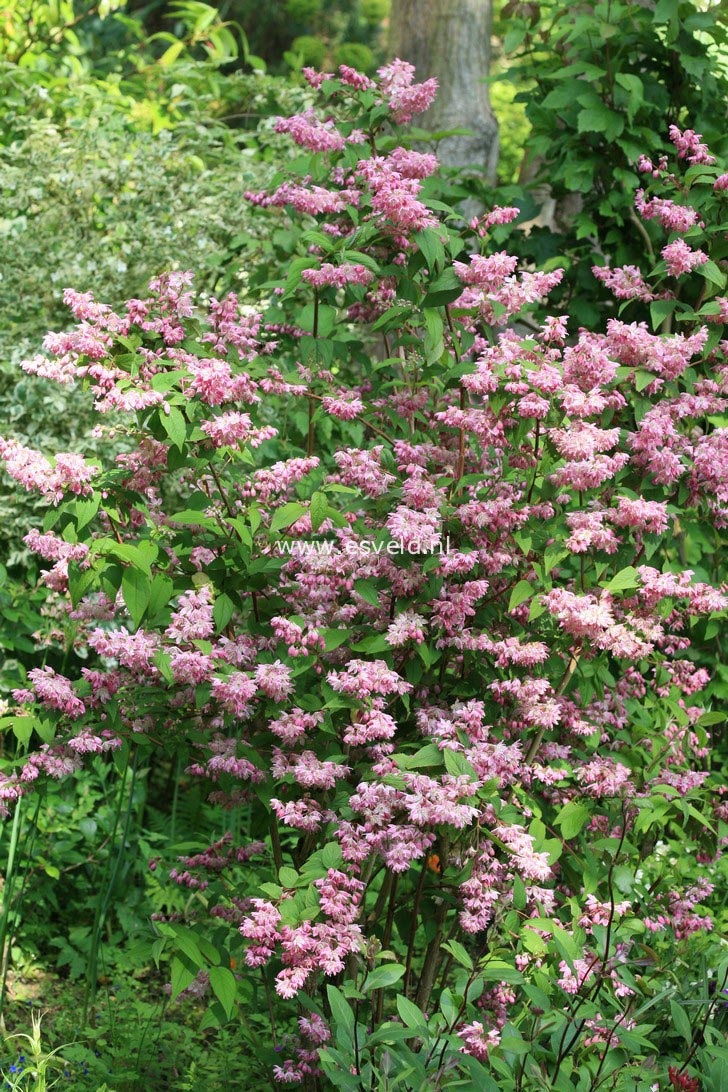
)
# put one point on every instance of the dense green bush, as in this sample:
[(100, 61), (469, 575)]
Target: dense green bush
[(601, 86)]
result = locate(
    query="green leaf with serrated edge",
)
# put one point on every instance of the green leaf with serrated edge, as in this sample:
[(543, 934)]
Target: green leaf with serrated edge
[(572, 818), (457, 765), (368, 592), (136, 592), (160, 593), (23, 728), (224, 986), (286, 515), (187, 943), (182, 976), (317, 509), (222, 611), (712, 273), (175, 425), (522, 591), (331, 856), (333, 638), (625, 579), (429, 755)]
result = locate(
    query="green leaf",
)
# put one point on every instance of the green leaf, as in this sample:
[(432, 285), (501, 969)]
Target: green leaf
[(318, 508), (410, 1014), (335, 637), (136, 590), (340, 1009), (187, 943), (383, 976), (643, 379), (182, 976), (368, 592), (459, 954), (630, 83), (222, 611), (712, 717), (160, 594), (599, 119), (495, 970), (288, 877), (163, 663), (224, 987), (625, 579), (681, 1021), (23, 728), (572, 818), (522, 591), (175, 425), (429, 755), (375, 642), (659, 310), (712, 273), (553, 554), (434, 343), (86, 509), (443, 289), (331, 855), (457, 765), (286, 515), (431, 246)]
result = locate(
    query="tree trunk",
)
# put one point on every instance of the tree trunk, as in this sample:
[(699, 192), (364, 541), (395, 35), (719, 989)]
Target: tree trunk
[(450, 39)]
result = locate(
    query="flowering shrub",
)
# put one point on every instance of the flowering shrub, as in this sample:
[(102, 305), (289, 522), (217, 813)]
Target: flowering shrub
[(411, 590)]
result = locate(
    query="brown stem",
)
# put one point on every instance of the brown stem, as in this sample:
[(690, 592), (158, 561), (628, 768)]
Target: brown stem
[(275, 841), (382, 897), (432, 960), (413, 929), (386, 938), (271, 1015), (223, 494), (387, 935)]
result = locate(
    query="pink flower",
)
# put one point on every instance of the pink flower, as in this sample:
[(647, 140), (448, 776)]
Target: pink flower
[(478, 1039), (56, 691), (338, 276), (672, 217), (309, 132), (70, 472), (362, 678), (274, 680), (192, 621), (346, 407), (234, 429), (689, 146), (405, 98), (681, 258), (626, 282)]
